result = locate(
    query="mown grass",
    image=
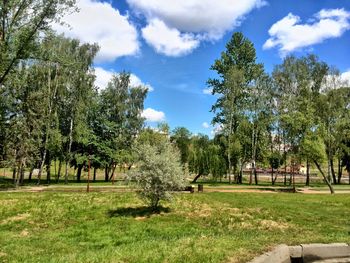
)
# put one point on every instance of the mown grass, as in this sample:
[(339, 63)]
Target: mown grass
[(208, 227)]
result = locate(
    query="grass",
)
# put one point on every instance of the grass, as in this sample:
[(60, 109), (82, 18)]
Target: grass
[(208, 227)]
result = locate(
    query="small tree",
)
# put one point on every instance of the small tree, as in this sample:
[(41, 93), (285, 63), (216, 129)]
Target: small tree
[(158, 171)]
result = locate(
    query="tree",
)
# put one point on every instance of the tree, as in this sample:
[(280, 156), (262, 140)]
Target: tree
[(21, 21), (120, 119), (158, 172), (313, 147), (182, 137), (199, 156), (237, 70), (299, 82)]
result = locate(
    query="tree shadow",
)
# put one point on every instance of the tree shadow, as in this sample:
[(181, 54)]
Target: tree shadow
[(143, 211)]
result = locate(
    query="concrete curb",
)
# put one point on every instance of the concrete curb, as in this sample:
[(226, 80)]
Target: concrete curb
[(304, 253), (280, 254)]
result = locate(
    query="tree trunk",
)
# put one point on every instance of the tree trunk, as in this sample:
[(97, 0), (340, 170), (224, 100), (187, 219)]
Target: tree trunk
[(251, 176), (17, 176), (48, 172), (55, 163), (69, 150), (325, 177), (80, 167), (59, 171), (229, 167), (30, 174), (332, 171), (111, 178), (21, 179), (14, 172), (340, 171), (94, 178), (307, 183), (240, 179), (285, 160), (196, 178), (255, 175), (106, 173), (272, 180)]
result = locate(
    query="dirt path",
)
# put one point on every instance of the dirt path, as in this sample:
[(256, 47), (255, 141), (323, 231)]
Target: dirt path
[(34, 189)]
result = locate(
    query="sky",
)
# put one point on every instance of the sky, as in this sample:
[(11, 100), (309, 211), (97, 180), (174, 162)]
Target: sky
[(169, 45)]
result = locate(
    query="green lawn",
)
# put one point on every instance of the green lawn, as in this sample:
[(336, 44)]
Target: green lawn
[(208, 227)]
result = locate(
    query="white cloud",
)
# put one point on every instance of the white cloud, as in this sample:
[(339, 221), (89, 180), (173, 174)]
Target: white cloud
[(100, 23), (104, 76), (190, 21), (168, 41), (152, 115), (288, 34), (135, 81), (346, 77), (207, 91), (335, 81), (205, 125), (217, 129)]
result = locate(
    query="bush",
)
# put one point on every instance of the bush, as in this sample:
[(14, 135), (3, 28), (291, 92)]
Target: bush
[(158, 172)]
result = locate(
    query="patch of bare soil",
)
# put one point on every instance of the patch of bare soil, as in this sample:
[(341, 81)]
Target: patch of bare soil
[(24, 233), (270, 224), (18, 217), (312, 191), (239, 190)]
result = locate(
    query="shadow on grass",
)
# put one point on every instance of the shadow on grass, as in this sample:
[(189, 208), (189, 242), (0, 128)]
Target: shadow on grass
[(142, 211)]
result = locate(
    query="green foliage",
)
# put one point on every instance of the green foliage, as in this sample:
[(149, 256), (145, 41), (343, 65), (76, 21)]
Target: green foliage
[(181, 137), (313, 147), (158, 172), (275, 160), (22, 22)]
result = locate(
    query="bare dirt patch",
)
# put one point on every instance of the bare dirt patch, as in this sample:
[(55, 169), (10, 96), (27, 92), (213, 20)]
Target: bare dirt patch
[(270, 225), (140, 218), (19, 217), (24, 233)]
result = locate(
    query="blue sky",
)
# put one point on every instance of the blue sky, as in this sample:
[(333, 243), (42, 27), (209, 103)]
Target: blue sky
[(169, 46)]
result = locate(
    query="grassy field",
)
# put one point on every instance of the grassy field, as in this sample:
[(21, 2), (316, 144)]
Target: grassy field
[(207, 227)]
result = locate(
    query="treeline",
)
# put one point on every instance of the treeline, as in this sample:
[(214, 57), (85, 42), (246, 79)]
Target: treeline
[(50, 109), (298, 114)]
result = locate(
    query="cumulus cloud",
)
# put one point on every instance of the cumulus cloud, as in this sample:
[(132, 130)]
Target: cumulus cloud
[(98, 22), (190, 21), (152, 115), (168, 41), (335, 80), (346, 77), (289, 34), (207, 91), (205, 125), (104, 76)]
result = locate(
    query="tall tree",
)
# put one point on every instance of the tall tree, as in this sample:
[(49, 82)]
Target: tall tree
[(237, 69), (121, 107)]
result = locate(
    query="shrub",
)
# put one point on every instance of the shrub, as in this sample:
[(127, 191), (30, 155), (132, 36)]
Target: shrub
[(158, 171)]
